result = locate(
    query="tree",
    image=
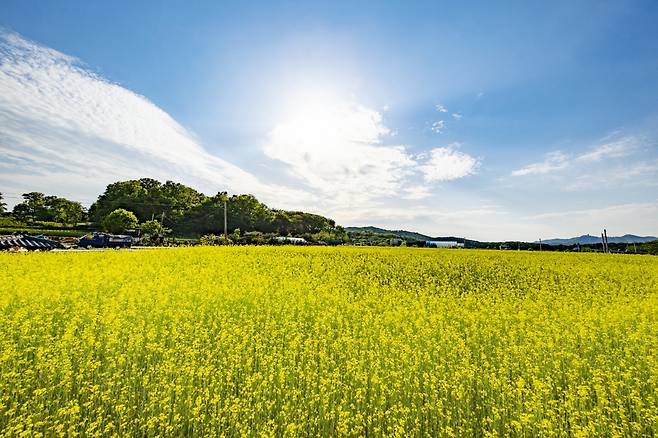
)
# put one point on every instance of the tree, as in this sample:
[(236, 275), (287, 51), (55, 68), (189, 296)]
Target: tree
[(298, 222), (281, 222), (247, 213), (154, 232), (153, 228), (119, 221), (32, 208), (207, 218), (3, 206), (63, 211), (192, 213), (147, 198), (38, 207)]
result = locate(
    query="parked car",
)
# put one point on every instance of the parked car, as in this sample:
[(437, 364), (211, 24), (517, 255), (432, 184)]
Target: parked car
[(104, 240)]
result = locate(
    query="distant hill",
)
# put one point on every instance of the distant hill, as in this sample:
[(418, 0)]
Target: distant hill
[(399, 233), (588, 239), (376, 234), (407, 235)]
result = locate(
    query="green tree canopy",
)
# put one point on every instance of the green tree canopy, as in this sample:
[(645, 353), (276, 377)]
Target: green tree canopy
[(119, 221), (190, 212), (3, 205), (63, 211), (153, 228), (32, 208), (207, 218), (147, 198), (38, 207), (247, 213)]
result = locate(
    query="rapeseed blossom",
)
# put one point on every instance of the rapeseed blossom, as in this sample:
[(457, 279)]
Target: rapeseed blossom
[(286, 341)]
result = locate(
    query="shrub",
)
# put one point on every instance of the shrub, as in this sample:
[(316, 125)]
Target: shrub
[(119, 221)]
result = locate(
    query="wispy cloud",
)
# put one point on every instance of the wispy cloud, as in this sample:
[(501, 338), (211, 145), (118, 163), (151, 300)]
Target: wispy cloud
[(557, 160), (336, 150), (416, 192), (66, 130), (448, 163), (594, 167), (553, 161), (643, 174), (618, 168), (62, 122), (613, 217), (438, 126), (616, 149)]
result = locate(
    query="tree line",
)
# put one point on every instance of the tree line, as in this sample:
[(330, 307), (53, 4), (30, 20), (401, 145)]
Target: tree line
[(173, 207), (39, 207)]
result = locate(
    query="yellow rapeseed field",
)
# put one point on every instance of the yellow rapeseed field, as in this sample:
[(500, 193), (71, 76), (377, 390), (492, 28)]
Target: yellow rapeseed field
[(284, 341)]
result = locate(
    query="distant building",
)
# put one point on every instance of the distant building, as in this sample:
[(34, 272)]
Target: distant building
[(395, 242), (443, 244)]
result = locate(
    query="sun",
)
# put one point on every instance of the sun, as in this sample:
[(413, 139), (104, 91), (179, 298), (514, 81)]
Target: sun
[(322, 119)]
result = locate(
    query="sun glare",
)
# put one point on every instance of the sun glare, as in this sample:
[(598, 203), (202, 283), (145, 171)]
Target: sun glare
[(322, 118)]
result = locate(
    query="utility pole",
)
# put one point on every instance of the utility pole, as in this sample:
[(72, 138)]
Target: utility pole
[(540, 244), (225, 222), (603, 242), (605, 234)]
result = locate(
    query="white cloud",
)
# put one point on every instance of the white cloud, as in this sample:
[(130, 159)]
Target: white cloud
[(616, 149), (594, 167), (642, 174), (62, 125), (457, 116), (448, 163), (633, 218), (67, 131), (438, 126), (416, 192), (336, 149), (553, 161), (440, 108)]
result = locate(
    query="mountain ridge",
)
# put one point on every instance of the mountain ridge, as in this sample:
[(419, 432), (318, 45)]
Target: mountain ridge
[(404, 234), (587, 239)]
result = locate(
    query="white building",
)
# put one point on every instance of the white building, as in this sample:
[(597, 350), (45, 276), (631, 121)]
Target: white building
[(443, 244)]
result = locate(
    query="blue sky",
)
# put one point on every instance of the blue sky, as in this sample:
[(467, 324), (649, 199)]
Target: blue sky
[(518, 121)]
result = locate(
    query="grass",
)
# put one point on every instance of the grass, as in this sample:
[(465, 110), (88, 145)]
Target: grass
[(284, 341)]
